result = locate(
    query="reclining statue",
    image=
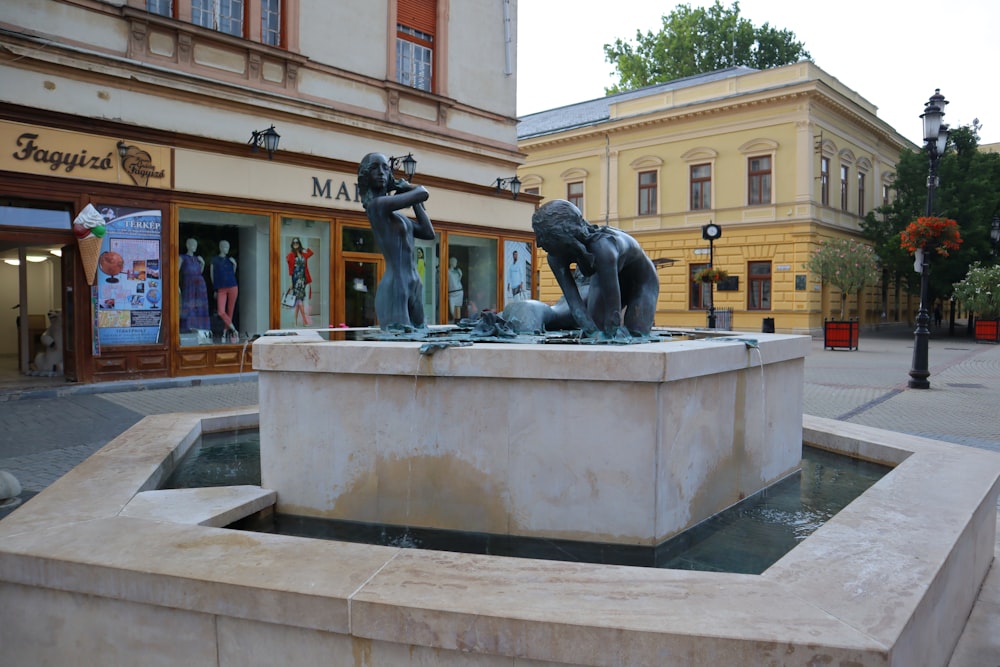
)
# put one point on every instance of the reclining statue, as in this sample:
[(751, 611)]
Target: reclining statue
[(614, 295)]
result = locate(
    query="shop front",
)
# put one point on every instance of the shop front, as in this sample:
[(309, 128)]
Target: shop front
[(197, 253)]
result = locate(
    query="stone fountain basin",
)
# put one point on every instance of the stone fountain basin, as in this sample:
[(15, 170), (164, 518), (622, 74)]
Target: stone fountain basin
[(90, 576)]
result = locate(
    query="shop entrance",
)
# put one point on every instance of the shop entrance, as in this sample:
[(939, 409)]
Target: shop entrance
[(37, 261), (360, 282)]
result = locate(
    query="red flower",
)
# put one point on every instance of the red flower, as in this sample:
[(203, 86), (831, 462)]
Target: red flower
[(939, 234)]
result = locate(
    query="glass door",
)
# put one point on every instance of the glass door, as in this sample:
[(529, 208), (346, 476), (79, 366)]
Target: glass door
[(360, 282)]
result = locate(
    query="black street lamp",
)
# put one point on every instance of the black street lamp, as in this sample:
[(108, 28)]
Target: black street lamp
[(710, 232), (935, 141)]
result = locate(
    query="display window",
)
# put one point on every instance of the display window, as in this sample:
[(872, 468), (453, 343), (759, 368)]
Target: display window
[(305, 273), (517, 273), (429, 270), (471, 275), (222, 276)]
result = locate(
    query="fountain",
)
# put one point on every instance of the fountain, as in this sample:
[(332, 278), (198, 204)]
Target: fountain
[(124, 569), (626, 444)]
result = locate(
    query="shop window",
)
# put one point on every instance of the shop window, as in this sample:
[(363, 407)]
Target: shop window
[(701, 186), (428, 268), (517, 271), (574, 194), (759, 286), (223, 276), (759, 177), (647, 193), (415, 32), (699, 299), (824, 181), (305, 274), (471, 276)]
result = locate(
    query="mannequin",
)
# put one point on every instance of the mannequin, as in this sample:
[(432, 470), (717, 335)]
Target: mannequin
[(223, 273), (456, 294), (194, 292), (298, 271)]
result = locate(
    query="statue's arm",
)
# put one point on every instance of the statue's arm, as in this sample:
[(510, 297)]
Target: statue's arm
[(422, 227), (606, 278), (577, 308)]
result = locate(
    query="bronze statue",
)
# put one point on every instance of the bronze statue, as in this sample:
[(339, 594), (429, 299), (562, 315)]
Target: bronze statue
[(617, 273), (398, 302)]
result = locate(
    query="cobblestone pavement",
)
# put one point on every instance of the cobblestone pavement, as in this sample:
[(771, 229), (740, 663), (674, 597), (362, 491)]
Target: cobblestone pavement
[(868, 386), (44, 434)]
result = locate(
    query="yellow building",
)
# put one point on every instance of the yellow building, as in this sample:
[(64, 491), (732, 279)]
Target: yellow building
[(780, 159)]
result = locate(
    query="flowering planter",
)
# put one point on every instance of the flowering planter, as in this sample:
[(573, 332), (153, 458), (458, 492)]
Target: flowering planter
[(840, 334), (987, 331)]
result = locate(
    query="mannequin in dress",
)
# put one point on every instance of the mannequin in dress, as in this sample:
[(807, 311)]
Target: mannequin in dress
[(194, 292), (456, 294), (223, 273)]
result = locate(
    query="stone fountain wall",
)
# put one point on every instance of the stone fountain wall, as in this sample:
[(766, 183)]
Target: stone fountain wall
[(624, 445)]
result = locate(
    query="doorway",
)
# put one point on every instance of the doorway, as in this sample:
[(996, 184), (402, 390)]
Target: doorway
[(34, 331), (360, 282)]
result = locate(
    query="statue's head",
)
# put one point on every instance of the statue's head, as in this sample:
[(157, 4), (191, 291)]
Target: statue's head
[(367, 186), (561, 230)]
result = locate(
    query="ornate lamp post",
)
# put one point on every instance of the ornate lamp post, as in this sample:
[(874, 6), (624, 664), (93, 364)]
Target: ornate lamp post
[(710, 232), (935, 141)]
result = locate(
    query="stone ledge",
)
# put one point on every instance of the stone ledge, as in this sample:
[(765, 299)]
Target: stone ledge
[(216, 506)]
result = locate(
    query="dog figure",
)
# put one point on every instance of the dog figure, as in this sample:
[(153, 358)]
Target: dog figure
[(49, 362)]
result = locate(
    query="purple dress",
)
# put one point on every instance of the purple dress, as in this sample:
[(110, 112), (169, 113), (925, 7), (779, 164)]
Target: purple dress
[(194, 295)]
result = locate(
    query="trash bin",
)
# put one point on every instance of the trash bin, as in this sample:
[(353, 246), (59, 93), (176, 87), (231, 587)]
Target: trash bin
[(768, 326)]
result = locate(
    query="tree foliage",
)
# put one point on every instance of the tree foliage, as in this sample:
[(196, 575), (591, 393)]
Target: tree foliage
[(846, 264), (979, 291), (696, 41), (967, 192)]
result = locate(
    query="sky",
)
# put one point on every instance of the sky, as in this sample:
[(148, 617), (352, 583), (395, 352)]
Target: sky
[(878, 48)]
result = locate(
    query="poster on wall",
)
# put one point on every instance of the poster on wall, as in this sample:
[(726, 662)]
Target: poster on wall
[(129, 279)]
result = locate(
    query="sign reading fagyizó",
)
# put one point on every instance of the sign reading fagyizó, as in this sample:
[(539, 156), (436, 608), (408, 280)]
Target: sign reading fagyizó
[(49, 152)]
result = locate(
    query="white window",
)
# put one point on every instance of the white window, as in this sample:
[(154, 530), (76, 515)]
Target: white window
[(222, 15)]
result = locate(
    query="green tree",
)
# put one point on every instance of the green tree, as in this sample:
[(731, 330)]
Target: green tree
[(848, 265), (967, 193), (696, 41)]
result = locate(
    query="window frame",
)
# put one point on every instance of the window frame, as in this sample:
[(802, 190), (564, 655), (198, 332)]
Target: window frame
[(573, 197), (845, 177), (862, 176), (824, 180), (648, 193), (254, 25), (760, 181), (266, 30), (759, 285), (156, 7), (221, 22), (700, 187)]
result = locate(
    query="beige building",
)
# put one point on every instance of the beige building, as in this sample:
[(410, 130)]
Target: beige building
[(152, 111), (780, 159)]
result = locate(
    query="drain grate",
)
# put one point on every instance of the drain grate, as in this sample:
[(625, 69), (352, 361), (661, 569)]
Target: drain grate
[(966, 386)]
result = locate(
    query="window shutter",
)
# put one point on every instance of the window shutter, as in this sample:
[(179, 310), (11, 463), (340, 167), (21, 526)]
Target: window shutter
[(418, 14)]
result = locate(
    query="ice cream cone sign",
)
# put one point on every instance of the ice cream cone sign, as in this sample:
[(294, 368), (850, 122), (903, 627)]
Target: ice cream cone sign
[(89, 230)]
